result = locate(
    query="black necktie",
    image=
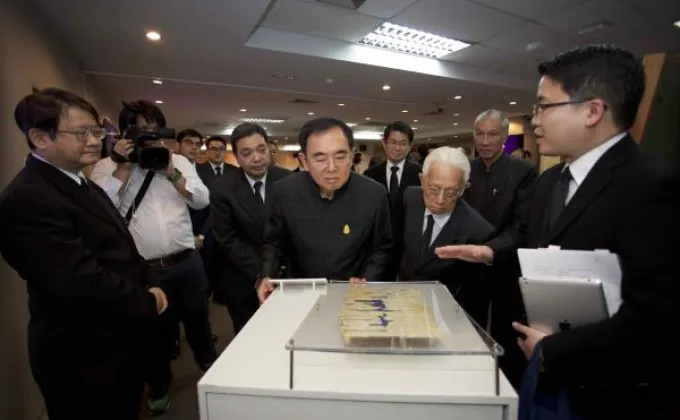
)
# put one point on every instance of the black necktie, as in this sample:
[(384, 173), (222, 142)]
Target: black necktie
[(559, 197), (257, 187), (218, 171), (394, 184), (427, 235)]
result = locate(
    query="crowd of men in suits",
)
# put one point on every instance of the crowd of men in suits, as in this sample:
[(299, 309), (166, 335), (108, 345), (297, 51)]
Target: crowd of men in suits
[(111, 275)]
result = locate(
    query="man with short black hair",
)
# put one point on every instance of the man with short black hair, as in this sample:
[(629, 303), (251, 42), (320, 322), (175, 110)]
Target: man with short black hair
[(160, 223), (90, 298), (189, 141), (396, 174), (237, 212), (607, 195), (328, 222)]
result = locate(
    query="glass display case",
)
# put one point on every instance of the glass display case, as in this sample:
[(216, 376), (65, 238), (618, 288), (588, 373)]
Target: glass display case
[(407, 318)]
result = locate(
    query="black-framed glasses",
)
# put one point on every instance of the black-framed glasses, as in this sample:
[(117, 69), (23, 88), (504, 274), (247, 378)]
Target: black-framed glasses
[(547, 105), (81, 133), (217, 149)]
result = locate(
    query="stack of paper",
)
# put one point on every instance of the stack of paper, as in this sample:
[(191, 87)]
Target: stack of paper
[(387, 316)]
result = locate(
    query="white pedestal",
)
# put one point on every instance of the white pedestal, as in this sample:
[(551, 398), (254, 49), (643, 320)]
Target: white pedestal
[(250, 380)]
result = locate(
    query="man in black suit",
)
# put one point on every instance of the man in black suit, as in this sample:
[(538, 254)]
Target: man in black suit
[(500, 190), (396, 174), (435, 216), (610, 195), (89, 295), (237, 211)]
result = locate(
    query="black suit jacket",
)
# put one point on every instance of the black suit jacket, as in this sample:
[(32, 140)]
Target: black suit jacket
[(465, 226), (86, 282), (409, 178), (238, 223), (629, 204), (200, 218)]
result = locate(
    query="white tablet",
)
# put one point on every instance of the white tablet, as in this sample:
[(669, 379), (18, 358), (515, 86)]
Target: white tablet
[(558, 304)]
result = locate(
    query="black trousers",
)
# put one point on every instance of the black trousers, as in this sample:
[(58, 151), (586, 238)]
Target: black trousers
[(185, 285), (241, 309), (211, 263)]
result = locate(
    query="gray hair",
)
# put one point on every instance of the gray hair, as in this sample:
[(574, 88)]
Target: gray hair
[(454, 156), (494, 113)]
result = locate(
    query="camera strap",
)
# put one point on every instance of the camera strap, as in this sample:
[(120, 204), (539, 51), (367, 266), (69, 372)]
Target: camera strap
[(140, 195)]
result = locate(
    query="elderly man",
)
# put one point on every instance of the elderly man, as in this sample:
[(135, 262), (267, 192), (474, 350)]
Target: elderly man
[(435, 216)]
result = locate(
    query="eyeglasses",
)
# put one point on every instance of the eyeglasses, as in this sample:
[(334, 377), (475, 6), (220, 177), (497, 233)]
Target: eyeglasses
[(401, 144), (82, 133), (543, 106), (323, 161), (446, 193), (217, 149)]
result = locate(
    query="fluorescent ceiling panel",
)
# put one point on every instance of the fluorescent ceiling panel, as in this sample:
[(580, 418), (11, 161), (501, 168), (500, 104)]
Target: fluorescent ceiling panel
[(412, 41)]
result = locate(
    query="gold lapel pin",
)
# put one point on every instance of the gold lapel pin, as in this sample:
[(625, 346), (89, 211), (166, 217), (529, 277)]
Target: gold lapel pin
[(346, 230)]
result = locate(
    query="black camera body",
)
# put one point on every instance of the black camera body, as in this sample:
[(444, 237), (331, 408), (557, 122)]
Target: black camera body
[(155, 158)]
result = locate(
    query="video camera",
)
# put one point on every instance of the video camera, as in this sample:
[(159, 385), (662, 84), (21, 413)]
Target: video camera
[(151, 157)]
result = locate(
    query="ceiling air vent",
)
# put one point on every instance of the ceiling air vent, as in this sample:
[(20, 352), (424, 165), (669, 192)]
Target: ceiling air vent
[(303, 102), (347, 4)]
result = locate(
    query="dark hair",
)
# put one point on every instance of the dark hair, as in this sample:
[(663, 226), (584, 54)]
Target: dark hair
[(466, 150), (217, 139), (362, 148), (322, 124), (401, 127), (245, 130), (601, 71), (295, 155), (189, 132), (44, 108), (131, 110)]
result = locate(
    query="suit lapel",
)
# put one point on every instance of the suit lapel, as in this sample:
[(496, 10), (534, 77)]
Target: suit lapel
[(382, 173), (449, 235), (500, 177), (414, 226), (599, 177)]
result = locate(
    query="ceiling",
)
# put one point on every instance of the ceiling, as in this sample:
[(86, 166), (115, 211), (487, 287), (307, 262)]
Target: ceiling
[(217, 57)]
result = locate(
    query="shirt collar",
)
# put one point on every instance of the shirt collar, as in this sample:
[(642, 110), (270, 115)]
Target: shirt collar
[(584, 164), (439, 219), (400, 165), (221, 166), (77, 178), (252, 181)]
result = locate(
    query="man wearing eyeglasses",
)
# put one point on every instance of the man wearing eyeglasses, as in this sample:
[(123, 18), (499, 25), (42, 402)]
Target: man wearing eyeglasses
[(396, 174), (329, 222), (436, 215), (91, 302)]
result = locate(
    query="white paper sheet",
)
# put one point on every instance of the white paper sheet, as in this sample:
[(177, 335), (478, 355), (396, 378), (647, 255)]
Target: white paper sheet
[(558, 263)]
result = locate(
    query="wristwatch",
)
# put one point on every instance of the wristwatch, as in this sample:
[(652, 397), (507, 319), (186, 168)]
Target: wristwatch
[(175, 176)]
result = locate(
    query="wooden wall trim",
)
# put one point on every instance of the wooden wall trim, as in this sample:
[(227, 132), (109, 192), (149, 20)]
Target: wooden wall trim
[(653, 64)]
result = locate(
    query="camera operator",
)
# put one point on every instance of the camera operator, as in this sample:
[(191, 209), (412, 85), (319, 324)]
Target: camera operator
[(151, 187)]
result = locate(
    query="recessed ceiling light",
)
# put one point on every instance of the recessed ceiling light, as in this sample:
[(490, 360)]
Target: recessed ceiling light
[(457, 97), (455, 123), (351, 124), (310, 113), (455, 137), (341, 104), (243, 110), (386, 87), (368, 118), (404, 110), (415, 120), (153, 36), (263, 120), (456, 115), (159, 102), (157, 81), (677, 24), (412, 41), (513, 103), (415, 128)]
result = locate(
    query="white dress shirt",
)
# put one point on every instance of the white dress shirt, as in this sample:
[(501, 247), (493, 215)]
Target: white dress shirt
[(161, 226), (252, 182), (400, 172), (584, 164), (439, 222), (77, 178)]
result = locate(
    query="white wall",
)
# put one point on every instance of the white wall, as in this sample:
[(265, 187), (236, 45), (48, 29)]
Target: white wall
[(30, 55)]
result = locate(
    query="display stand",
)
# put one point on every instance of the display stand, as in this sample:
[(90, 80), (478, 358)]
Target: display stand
[(293, 362)]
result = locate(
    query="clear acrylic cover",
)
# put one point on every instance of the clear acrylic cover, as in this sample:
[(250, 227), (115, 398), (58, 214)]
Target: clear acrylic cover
[(391, 318)]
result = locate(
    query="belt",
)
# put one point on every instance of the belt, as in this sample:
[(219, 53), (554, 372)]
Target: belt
[(169, 260)]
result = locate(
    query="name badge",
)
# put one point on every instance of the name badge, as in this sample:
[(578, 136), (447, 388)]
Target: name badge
[(346, 230)]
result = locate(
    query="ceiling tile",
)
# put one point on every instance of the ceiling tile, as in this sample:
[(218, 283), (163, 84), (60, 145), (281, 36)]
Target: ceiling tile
[(494, 59), (516, 40), (624, 17), (458, 19), (385, 9), (663, 40), (662, 10), (329, 21), (530, 9)]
